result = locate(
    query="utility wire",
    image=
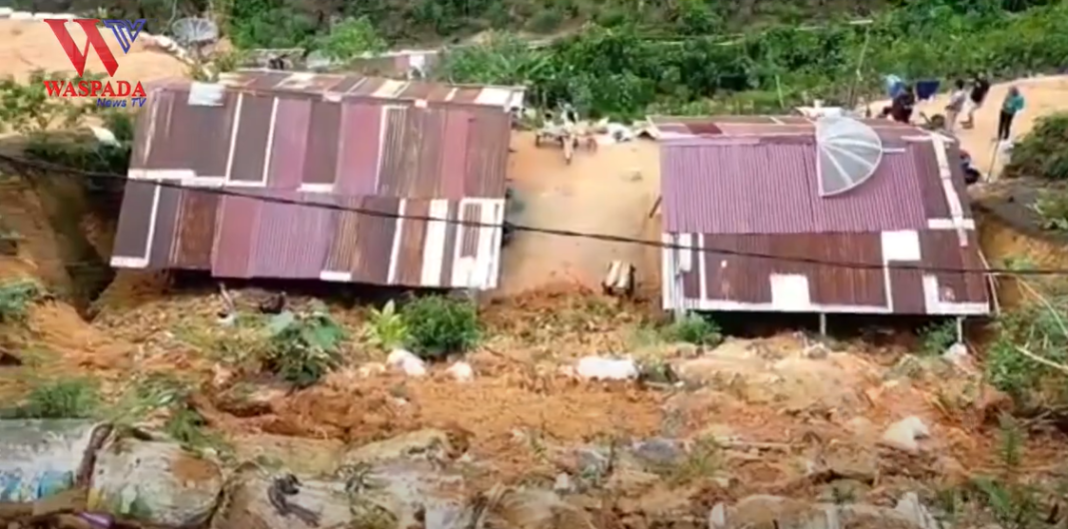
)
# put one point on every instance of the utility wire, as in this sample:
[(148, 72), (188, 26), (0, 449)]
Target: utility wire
[(40, 165)]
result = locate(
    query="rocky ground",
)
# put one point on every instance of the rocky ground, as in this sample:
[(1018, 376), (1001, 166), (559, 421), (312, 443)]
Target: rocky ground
[(523, 431)]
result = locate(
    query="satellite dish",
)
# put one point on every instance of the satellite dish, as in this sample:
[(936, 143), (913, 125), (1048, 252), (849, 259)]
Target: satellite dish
[(848, 154), (195, 31), (317, 61)]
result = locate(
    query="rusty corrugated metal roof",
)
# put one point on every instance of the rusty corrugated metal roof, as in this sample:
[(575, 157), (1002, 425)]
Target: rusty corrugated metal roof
[(726, 193), (352, 87), (674, 127), (446, 161)]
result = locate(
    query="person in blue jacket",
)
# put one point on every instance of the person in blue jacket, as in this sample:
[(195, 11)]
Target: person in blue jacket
[(1013, 104)]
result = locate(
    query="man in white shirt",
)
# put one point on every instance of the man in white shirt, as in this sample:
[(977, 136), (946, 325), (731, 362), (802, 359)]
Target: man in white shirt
[(956, 104)]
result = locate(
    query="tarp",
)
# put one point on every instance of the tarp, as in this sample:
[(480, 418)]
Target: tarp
[(41, 458)]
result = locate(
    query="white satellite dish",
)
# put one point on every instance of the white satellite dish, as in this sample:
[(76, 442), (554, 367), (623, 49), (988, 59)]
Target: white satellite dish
[(848, 154), (195, 31), (317, 61)]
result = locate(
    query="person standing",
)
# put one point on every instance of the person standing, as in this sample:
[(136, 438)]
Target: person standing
[(956, 104), (980, 87), (1013, 104), (902, 105)]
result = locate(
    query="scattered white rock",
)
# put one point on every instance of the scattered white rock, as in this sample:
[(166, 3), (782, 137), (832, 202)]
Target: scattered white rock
[(597, 368), (905, 433), (563, 483), (371, 369), (957, 354), (717, 517), (461, 371), (909, 505), (406, 361)]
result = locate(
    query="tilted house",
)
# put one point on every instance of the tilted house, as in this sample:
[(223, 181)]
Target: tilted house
[(423, 157), (865, 216)]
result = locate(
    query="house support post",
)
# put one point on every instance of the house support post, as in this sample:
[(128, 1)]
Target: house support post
[(823, 324), (960, 329)]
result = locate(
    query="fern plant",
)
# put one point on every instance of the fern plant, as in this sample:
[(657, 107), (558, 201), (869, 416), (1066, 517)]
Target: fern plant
[(386, 328)]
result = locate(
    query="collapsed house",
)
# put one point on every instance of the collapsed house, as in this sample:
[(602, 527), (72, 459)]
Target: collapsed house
[(788, 214), (335, 178)]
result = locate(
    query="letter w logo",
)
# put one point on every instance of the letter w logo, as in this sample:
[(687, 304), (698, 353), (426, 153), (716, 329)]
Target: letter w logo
[(126, 31), (93, 38)]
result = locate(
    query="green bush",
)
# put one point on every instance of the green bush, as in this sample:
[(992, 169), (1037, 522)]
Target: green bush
[(695, 329), (438, 326), (60, 399), (304, 347), (15, 298), (1043, 153)]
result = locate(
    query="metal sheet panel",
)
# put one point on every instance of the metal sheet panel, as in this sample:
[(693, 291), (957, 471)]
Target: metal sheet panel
[(195, 235), (320, 160), (731, 277), (409, 264), (472, 213), (131, 235), (238, 221), (166, 223), (205, 133), (942, 249), (358, 157), (250, 146), (292, 241), (454, 153), (487, 158), (375, 234), (391, 174), (452, 230), (344, 247), (906, 289), (428, 182), (773, 188), (290, 143)]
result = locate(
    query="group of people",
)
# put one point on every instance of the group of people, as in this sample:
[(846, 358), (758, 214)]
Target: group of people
[(966, 99)]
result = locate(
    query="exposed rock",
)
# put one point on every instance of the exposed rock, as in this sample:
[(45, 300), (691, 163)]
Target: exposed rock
[(406, 362), (154, 482), (299, 455), (905, 433), (783, 513), (563, 484), (461, 371), (427, 442), (910, 506), (658, 452), (957, 354), (598, 368), (371, 369)]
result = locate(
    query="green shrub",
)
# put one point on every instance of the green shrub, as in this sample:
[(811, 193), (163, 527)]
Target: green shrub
[(438, 326), (15, 298), (386, 328), (1052, 209), (60, 399), (304, 347), (938, 337), (695, 329), (1043, 153)]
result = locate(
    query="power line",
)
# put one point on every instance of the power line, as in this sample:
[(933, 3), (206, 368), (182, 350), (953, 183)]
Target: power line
[(50, 167)]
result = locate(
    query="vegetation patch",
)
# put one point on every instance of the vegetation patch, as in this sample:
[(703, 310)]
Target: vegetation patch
[(75, 398), (438, 326), (1043, 152)]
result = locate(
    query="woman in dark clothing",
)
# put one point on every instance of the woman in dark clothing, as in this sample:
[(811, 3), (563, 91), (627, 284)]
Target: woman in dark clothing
[(980, 87)]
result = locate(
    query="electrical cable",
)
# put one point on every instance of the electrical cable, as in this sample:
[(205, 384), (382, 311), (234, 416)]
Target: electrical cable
[(222, 191)]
